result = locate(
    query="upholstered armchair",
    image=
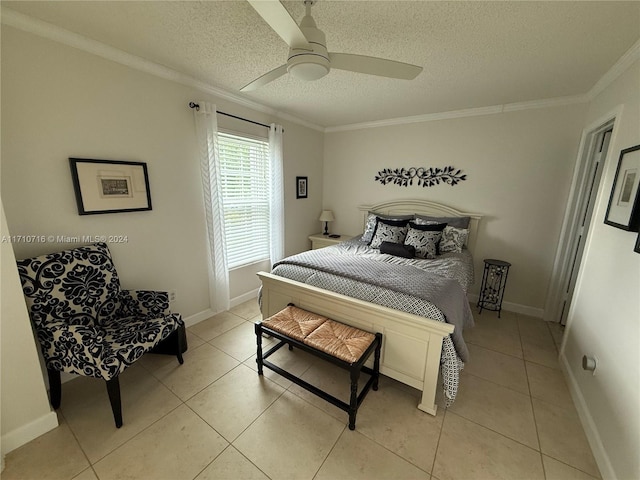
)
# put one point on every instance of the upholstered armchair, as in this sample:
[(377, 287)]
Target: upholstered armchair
[(87, 325)]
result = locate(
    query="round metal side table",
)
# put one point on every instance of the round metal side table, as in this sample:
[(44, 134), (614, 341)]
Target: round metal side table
[(494, 279)]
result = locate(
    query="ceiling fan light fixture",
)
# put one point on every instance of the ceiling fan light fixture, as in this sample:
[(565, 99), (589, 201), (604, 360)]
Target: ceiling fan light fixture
[(308, 71)]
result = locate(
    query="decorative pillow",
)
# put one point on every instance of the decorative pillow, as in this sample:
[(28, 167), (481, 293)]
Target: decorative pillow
[(372, 218), (425, 238), (453, 239), (393, 231), (398, 249), (458, 222)]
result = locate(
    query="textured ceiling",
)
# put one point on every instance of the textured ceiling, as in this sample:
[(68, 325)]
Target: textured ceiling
[(474, 54)]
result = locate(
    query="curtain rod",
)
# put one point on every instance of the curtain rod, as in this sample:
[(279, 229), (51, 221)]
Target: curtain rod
[(197, 107)]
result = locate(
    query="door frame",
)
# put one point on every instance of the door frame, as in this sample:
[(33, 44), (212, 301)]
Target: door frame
[(571, 223)]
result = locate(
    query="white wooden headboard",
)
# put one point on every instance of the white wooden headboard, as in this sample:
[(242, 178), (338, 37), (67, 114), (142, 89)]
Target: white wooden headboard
[(423, 207)]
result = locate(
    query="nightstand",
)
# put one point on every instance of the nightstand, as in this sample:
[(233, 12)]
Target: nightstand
[(319, 240)]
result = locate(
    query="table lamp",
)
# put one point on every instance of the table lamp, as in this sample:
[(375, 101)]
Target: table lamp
[(326, 216)]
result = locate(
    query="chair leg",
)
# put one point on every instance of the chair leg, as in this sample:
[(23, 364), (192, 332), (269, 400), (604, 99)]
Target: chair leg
[(113, 388), (55, 388), (180, 339)]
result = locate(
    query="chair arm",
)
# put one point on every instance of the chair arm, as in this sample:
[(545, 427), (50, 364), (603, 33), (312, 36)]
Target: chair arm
[(144, 303), (79, 349)]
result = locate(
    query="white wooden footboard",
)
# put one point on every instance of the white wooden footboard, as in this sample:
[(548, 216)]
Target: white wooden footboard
[(411, 344)]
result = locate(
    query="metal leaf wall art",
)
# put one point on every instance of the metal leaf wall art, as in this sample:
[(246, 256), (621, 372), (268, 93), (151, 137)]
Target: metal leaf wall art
[(427, 177)]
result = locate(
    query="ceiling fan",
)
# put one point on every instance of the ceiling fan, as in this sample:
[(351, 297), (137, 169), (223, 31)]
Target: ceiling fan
[(308, 57)]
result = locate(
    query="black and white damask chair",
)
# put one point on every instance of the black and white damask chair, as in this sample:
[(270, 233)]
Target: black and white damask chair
[(87, 325)]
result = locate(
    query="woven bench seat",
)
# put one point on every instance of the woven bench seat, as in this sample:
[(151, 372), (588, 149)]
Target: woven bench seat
[(343, 345)]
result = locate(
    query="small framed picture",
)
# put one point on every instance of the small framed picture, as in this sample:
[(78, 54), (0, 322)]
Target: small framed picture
[(624, 209), (110, 186), (301, 187)]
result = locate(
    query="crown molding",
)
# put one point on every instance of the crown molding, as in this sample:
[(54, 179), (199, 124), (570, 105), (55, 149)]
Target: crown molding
[(58, 34), (469, 112), (624, 62)]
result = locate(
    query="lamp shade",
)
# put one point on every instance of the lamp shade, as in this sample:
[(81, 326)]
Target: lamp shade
[(326, 216)]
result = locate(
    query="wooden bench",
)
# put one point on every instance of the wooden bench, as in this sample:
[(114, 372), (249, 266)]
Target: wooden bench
[(342, 345)]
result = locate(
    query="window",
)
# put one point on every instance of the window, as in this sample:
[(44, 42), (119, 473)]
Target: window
[(244, 165)]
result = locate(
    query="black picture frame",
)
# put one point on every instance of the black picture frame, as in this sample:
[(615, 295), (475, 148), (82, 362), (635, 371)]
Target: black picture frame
[(637, 246), (302, 187), (110, 186), (623, 210)]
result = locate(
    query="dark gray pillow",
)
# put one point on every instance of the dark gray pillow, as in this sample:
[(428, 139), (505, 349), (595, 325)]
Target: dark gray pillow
[(458, 222), (398, 249)]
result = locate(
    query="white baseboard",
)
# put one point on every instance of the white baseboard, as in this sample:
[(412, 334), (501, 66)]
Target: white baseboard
[(590, 429), (28, 432), (512, 307), (208, 313), (198, 317), (244, 298)]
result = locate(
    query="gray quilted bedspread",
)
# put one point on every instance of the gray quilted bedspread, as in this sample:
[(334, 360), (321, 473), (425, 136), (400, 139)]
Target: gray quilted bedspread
[(445, 293)]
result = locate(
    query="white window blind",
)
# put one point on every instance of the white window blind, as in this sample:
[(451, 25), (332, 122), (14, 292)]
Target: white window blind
[(244, 164)]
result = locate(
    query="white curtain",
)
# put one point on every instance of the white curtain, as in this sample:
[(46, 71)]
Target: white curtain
[(276, 198), (207, 136)]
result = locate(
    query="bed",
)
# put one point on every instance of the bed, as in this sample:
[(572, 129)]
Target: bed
[(418, 340)]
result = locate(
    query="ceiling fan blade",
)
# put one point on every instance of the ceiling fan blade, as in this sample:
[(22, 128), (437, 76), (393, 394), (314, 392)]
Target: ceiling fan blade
[(266, 78), (374, 66), (278, 18)]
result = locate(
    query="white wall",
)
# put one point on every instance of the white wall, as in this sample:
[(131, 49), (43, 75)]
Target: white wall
[(59, 102), (518, 168), (25, 412), (604, 319)]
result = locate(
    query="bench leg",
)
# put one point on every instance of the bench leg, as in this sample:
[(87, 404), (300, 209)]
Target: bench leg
[(376, 361), (259, 347), (353, 403)]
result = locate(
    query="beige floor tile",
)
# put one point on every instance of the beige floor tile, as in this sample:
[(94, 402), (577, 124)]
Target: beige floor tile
[(548, 384), (562, 436), (538, 345), (180, 445), (247, 310), (501, 409), (290, 425), (240, 342), (557, 332), (88, 474), (193, 341), (499, 334), (202, 366), (231, 465), (357, 457), (555, 470), (541, 355), (86, 408), (390, 417), (497, 367), (468, 451), (217, 325), (296, 362), (487, 315), (54, 455), (234, 401)]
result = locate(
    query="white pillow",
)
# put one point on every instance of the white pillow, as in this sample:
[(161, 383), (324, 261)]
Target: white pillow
[(453, 239)]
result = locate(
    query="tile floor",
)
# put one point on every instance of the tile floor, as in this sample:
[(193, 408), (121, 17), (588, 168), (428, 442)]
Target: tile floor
[(215, 418)]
